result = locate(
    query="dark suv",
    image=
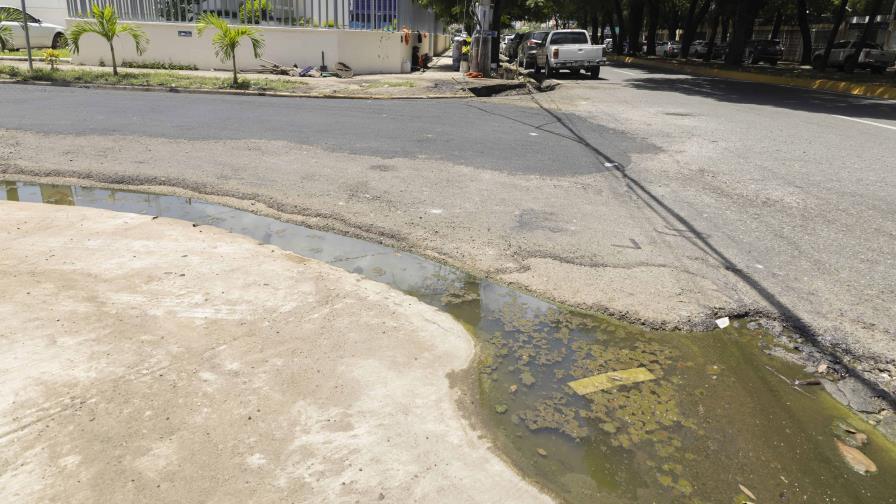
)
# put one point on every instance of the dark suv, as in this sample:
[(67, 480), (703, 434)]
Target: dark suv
[(769, 51), (528, 47)]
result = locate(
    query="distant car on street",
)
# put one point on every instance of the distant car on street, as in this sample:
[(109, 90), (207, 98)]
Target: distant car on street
[(511, 47), (760, 50), (570, 50), (40, 34), (668, 49), (843, 57), (699, 48), (528, 47)]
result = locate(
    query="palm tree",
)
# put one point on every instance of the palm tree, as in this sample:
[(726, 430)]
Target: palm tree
[(105, 24), (228, 38), (10, 15)]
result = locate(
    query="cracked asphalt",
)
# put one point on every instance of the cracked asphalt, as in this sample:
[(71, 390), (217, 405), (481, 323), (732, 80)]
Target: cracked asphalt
[(665, 200)]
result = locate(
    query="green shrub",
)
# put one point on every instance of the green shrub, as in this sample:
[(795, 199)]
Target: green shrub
[(253, 11)]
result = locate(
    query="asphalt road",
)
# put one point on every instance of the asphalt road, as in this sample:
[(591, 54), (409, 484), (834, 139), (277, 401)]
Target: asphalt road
[(663, 199)]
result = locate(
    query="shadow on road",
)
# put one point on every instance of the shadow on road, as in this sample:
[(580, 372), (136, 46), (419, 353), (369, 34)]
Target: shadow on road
[(769, 95), (701, 241)]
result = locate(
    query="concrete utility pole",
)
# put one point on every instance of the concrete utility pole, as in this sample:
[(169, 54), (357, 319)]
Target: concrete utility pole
[(27, 37)]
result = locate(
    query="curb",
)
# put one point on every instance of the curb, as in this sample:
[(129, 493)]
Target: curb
[(231, 92), (882, 91), (37, 57)]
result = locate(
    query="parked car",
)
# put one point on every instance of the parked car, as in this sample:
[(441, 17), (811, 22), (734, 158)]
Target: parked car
[(668, 49), (770, 51), (504, 40), (843, 56), (511, 47), (699, 48), (41, 34), (570, 50), (719, 51), (528, 47)]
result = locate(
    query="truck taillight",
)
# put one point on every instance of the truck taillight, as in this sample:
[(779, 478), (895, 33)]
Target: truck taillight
[(556, 52), (531, 43)]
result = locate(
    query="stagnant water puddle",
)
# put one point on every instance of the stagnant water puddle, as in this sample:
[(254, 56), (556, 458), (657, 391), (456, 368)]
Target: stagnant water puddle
[(714, 427)]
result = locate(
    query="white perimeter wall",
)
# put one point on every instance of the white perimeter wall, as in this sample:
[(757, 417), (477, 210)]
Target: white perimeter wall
[(365, 51)]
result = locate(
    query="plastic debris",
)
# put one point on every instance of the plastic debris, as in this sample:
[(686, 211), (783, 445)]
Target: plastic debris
[(856, 459), (746, 491), (612, 379), (723, 322)]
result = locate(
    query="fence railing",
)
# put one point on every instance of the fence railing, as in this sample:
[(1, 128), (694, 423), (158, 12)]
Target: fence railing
[(382, 15)]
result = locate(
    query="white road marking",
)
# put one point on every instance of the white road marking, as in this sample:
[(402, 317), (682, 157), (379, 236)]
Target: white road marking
[(623, 71), (865, 122), (533, 134)]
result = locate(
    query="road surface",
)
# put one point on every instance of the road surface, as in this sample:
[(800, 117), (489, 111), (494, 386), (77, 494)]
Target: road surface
[(663, 199)]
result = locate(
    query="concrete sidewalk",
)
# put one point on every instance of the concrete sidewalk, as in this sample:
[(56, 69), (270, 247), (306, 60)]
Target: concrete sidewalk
[(147, 360)]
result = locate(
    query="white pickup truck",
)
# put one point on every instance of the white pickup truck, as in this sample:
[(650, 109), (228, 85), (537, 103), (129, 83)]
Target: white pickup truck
[(843, 56), (569, 50)]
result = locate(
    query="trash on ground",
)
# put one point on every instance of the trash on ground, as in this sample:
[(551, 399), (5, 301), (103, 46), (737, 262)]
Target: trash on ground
[(344, 71), (856, 459), (746, 491), (612, 379), (542, 452), (723, 322)]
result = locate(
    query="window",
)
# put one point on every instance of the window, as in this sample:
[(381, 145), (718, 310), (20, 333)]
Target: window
[(565, 38), (539, 36)]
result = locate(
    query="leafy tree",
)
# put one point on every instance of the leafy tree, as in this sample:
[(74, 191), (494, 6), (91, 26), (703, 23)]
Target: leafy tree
[(8, 15), (105, 24), (228, 39)]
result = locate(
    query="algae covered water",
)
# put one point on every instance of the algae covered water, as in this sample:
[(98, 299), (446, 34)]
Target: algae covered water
[(720, 423)]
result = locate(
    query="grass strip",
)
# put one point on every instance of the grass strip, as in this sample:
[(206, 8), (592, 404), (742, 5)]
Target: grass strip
[(145, 79)]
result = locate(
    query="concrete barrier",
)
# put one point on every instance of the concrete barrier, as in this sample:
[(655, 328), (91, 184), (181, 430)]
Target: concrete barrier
[(367, 52), (884, 91)]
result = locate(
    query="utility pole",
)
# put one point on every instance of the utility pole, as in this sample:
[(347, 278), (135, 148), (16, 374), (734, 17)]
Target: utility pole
[(27, 37)]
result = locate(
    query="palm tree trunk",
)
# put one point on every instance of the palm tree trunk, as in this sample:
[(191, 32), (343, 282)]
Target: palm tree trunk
[(743, 26), (711, 41), (802, 17), (234, 70), (829, 46), (620, 17), (874, 10), (690, 30), (776, 27), (114, 63), (635, 25), (652, 23)]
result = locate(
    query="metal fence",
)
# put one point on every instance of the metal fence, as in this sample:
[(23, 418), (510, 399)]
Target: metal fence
[(381, 15)]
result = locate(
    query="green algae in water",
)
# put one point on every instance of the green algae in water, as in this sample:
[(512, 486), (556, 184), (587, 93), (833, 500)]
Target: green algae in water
[(714, 419)]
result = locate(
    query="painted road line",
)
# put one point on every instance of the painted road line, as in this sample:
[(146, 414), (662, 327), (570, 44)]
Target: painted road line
[(623, 71), (865, 122)]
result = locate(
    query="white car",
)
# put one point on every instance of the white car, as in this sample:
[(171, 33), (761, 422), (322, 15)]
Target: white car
[(41, 34)]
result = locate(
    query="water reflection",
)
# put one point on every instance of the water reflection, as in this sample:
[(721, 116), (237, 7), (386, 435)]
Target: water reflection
[(712, 420)]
